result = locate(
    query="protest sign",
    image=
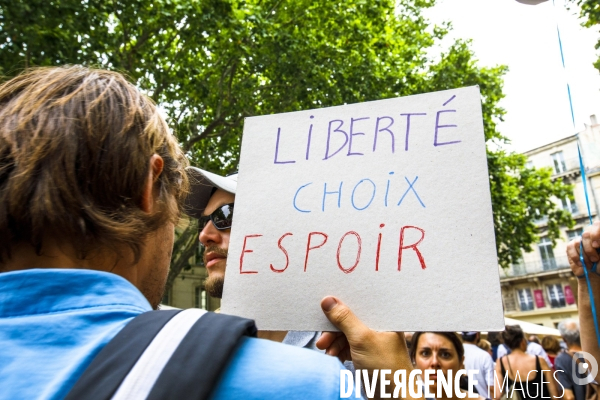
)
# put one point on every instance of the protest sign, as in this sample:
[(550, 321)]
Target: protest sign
[(384, 204)]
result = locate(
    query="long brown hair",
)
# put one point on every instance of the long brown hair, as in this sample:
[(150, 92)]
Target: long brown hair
[(75, 148), (513, 336)]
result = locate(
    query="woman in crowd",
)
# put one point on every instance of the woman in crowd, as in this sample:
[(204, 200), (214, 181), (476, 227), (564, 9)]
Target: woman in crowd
[(552, 347), (439, 351), (495, 339), (524, 370), (485, 346)]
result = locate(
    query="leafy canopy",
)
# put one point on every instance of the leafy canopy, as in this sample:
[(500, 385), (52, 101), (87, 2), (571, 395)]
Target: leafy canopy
[(211, 63)]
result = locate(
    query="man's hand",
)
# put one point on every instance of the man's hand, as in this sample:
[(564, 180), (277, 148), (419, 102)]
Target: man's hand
[(366, 348), (590, 241), (591, 244)]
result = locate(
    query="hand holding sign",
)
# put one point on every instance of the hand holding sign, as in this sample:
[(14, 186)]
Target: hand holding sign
[(385, 204), (367, 349)]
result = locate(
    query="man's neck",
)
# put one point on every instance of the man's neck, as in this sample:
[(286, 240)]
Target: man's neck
[(575, 348), (53, 255), (57, 255)]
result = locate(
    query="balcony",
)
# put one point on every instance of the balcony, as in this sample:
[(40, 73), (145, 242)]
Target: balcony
[(568, 168), (530, 268)]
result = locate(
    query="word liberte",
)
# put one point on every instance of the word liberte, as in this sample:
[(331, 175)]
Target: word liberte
[(418, 383)]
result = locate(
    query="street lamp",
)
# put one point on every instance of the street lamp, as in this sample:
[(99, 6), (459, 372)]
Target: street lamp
[(531, 2)]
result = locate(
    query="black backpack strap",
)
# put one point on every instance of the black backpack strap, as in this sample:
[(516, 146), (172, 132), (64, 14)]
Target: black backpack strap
[(171, 363), (201, 358), (103, 376)]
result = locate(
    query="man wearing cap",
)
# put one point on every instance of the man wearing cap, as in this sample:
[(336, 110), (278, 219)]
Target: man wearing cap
[(212, 199), (480, 360)]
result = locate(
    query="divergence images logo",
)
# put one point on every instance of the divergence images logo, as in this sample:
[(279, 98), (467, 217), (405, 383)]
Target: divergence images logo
[(585, 367)]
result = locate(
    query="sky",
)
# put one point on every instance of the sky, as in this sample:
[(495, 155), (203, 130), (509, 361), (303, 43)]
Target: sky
[(524, 37)]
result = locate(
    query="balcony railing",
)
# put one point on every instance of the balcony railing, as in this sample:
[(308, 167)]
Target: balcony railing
[(570, 164), (523, 269)]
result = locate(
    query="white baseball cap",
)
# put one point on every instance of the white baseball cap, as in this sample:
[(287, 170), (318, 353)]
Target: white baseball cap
[(202, 185)]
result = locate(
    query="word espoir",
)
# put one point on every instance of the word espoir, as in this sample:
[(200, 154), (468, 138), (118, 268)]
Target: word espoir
[(316, 240)]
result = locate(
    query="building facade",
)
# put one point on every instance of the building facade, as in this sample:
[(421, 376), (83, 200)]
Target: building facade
[(188, 291), (541, 289)]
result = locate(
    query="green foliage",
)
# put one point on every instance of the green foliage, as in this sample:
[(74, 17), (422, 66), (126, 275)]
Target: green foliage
[(590, 12), (211, 63), (517, 188)]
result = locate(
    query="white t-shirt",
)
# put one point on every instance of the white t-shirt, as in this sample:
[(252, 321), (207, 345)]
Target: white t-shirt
[(476, 358)]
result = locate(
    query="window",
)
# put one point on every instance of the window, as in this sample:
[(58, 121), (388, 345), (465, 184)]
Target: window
[(547, 254), (509, 302), (529, 164), (575, 233), (569, 205), (200, 297), (525, 299), (539, 218), (519, 269), (556, 295), (559, 162)]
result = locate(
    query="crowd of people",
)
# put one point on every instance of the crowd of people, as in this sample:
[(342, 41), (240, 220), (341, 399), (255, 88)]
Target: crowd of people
[(91, 184), (528, 373)]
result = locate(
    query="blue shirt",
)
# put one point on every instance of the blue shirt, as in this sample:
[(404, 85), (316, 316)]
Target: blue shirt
[(53, 323)]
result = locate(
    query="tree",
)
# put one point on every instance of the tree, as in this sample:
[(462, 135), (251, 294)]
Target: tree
[(590, 13), (211, 63)]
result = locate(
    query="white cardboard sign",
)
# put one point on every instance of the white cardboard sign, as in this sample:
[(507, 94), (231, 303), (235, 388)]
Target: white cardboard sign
[(384, 204)]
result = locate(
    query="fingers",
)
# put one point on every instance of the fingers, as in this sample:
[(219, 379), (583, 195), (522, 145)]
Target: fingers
[(327, 339), (590, 246), (573, 249), (335, 344), (344, 319), (590, 243), (339, 348), (594, 233), (573, 257)]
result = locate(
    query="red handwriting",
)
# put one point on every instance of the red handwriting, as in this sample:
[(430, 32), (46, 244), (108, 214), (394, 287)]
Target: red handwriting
[(405, 232), (411, 246), (347, 271), (378, 249), (244, 251), (308, 248), (287, 258)]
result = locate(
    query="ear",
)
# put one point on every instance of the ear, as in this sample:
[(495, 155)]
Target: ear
[(156, 167), (462, 363)]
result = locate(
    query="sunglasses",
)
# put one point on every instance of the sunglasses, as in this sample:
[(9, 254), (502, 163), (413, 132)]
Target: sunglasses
[(221, 218)]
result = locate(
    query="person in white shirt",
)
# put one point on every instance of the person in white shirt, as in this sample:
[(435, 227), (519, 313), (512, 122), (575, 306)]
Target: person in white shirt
[(480, 360), (532, 348)]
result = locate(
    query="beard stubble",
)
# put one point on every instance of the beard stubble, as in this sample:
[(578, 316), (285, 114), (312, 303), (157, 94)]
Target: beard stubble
[(214, 284)]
